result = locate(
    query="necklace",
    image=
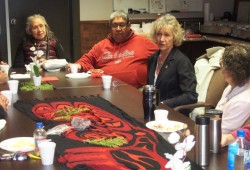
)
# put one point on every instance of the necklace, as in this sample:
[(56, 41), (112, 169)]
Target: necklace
[(160, 61)]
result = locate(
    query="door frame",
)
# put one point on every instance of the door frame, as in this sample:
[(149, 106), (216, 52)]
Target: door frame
[(5, 35)]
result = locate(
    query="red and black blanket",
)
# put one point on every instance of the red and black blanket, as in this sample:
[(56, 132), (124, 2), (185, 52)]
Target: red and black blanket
[(143, 148)]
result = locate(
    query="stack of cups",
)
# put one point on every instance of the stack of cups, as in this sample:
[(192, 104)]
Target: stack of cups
[(5, 68), (8, 95), (47, 152), (13, 86)]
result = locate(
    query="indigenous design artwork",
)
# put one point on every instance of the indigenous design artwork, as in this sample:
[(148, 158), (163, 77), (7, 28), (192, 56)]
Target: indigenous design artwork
[(144, 148)]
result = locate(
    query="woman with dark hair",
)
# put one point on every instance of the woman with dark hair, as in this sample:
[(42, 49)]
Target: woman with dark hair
[(38, 41), (235, 100)]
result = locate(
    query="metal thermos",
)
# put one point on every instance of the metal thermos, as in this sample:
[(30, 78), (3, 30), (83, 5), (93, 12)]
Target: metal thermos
[(215, 133), (202, 140), (150, 100)]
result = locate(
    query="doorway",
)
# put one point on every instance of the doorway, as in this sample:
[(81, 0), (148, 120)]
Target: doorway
[(62, 16)]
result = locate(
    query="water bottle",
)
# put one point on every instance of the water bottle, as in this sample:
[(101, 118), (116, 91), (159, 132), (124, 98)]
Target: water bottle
[(239, 157), (150, 101), (248, 166), (39, 135), (202, 140), (232, 151)]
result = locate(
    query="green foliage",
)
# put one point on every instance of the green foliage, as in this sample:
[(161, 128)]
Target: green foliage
[(36, 71), (29, 86), (112, 142)]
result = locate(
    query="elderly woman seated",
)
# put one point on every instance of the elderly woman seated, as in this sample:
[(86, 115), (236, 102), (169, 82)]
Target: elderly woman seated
[(38, 41), (235, 101)]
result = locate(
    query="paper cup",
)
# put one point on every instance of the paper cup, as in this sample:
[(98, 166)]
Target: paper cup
[(73, 68), (8, 94), (13, 86), (5, 68), (106, 80), (47, 152), (161, 116)]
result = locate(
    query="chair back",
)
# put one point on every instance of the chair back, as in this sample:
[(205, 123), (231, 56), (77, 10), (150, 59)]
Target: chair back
[(216, 87)]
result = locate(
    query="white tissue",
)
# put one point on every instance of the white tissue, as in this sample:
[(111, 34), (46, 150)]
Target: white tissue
[(20, 76)]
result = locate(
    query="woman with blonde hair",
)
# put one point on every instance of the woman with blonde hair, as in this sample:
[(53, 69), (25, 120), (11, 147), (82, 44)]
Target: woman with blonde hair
[(168, 68)]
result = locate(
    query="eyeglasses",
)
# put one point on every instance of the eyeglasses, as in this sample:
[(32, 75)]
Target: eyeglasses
[(121, 25)]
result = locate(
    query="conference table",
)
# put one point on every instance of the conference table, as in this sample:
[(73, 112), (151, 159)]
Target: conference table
[(123, 96)]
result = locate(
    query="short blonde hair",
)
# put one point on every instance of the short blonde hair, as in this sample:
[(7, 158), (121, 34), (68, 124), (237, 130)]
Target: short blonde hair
[(170, 22)]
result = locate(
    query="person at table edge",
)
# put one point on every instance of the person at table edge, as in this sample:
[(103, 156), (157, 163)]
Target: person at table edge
[(123, 54), (235, 101), (232, 136), (168, 68), (38, 37)]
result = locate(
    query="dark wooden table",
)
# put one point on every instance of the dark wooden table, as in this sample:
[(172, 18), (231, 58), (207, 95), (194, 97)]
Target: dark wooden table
[(123, 96)]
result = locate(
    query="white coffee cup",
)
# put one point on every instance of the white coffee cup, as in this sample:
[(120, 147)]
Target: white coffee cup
[(106, 80), (47, 152), (161, 116), (13, 86), (8, 94), (74, 68), (5, 68)]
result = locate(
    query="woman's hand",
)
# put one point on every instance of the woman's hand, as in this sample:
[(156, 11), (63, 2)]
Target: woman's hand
[(3, 63), (4, 102), (96, 71), (226, 139), (3, 76)]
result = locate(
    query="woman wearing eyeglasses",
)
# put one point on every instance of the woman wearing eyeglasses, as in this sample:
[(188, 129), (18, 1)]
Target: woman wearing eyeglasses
[(122, 54), (38, 41)]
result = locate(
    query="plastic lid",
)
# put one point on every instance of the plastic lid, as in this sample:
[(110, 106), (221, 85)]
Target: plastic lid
[(248, 165), (149, 87), (39, 125), (202, 119), (241, 133)]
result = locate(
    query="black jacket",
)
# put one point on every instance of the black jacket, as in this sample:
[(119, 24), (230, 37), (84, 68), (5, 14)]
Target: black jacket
[(176, 81)]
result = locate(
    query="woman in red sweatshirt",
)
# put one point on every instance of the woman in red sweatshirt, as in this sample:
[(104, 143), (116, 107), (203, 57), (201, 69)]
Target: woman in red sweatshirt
[(231, 137)]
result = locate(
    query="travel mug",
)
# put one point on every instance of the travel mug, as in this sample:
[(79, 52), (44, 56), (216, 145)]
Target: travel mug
[(150, 100), (215, 133), (202, 140)]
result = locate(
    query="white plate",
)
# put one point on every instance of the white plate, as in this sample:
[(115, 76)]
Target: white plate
[(53, 70), (169, 126), (23, 144), (77, 75)]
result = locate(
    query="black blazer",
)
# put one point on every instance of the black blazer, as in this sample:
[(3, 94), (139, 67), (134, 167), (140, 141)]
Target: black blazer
[(176, 81)]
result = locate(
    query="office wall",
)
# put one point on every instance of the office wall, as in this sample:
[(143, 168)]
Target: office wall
[(95, 9), (89, 10)]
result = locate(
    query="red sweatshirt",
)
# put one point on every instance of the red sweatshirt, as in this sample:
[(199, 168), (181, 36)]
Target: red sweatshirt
[(126, 61), (246, 128)]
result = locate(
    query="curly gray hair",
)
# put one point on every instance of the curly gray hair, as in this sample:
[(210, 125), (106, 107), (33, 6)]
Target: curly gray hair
[(236, 60), (170, 22)]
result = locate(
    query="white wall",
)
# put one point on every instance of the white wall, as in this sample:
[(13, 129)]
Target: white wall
[(101, 9), (95, 9)]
